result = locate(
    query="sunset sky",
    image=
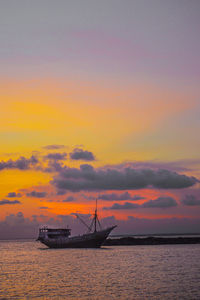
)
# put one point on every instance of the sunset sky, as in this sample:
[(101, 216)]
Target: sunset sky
[(100, 100)]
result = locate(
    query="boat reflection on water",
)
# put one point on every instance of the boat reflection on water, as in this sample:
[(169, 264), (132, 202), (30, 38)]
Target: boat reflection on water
[(60, 237)]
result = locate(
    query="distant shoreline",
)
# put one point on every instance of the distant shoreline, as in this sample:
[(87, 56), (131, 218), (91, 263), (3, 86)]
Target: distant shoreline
[(155, 234), (134, 240), (151, 240)]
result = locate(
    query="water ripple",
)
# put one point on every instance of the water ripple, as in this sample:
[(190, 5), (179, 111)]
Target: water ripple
[(28, 270)]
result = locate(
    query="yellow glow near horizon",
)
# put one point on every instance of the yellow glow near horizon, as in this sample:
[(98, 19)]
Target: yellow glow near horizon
[(103, 119)]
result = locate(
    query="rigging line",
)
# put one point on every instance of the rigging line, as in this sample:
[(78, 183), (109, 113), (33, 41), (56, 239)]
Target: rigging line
[(99, 223), (82, 221), (90, 228)]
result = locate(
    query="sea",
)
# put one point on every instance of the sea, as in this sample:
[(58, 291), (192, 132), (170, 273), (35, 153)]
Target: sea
[(29, 270)]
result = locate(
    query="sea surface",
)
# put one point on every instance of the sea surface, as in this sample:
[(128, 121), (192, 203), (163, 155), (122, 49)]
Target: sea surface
[(29, 270)]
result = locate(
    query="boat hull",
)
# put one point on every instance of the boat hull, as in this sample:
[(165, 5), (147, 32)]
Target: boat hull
[(91, 240)]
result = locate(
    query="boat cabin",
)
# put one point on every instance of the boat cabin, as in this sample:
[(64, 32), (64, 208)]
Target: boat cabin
[(53, 233)]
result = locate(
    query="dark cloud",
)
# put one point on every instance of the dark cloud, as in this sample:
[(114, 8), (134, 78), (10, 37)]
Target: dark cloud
[(53, 166), (137, 197), (88, 178), (13, 195), (190, 200), (126, 205), (79, 154), (116, 197), (36, 194), (69, 199), (53, 147), (56, 156), (161, 202), (61, 192), (43, 207), (6, 201), (21, 163)]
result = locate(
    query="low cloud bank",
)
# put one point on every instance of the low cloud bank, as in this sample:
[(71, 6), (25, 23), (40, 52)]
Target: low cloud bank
[(17, 226)]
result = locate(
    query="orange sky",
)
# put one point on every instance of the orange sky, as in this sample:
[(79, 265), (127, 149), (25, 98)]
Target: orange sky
[(105, 120)]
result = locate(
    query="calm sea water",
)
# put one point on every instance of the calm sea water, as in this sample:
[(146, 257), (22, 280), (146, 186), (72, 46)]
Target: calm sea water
[(29, 270)]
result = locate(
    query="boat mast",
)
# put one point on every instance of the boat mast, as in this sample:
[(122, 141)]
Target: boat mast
[(95, 218), (94, 222)]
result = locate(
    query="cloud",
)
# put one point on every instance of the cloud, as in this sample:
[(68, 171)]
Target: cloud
[(17, 226), (61, 192), (190, 200), (43, 207), (126, 205), (133, 225), (21, 163), (69, 199), (6, 201), (177, 166), (36, 194), (53, 166), (13, 195), (116, 197), (53, 147), (88, 178), (56, 156), (79, 154), (161, 202)]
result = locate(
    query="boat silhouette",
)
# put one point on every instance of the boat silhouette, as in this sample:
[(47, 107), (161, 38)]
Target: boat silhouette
[(60, 237)]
